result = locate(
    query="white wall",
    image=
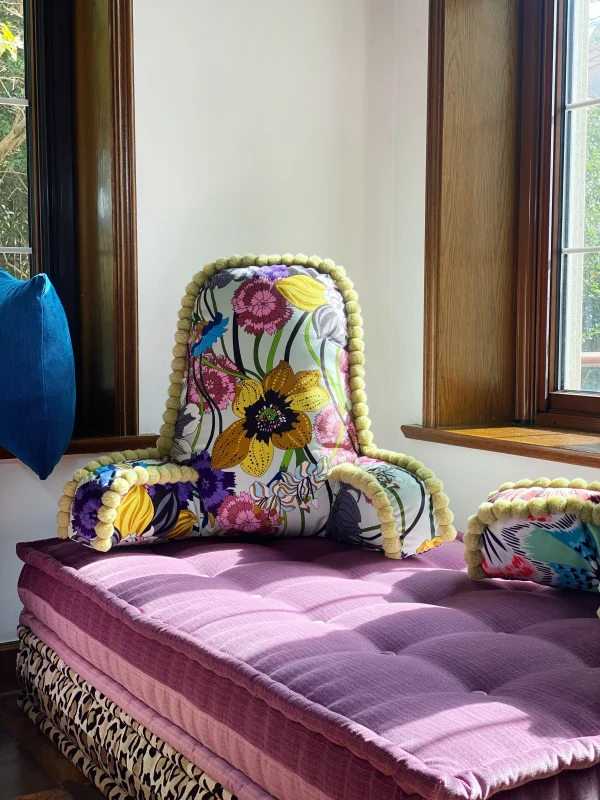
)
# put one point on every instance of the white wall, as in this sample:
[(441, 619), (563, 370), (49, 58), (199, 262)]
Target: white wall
[(28, 509), (266, 129), (272, 126)]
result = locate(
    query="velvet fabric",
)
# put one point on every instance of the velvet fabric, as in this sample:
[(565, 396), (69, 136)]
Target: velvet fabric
[(307, 663), (37, 373)]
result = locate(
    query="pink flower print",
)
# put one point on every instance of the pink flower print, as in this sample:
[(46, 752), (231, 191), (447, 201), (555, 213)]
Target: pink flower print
[(259, 307), (241, 513), (217, 384), (344, 367), (328, 427)]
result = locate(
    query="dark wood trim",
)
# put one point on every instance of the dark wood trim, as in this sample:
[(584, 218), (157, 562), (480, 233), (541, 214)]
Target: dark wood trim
[(433, 203), (103, 444), (582, 449), (124, 217), (8, 667), (550, 156), (573, 401), (548, 350), (104, 119), (575, 420), (530, 208)]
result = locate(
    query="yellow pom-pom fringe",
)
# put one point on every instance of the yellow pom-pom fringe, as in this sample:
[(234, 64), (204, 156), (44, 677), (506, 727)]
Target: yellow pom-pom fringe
[(538, 507)]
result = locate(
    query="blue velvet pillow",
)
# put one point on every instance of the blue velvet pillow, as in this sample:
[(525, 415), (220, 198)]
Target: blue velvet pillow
[(37, 373)]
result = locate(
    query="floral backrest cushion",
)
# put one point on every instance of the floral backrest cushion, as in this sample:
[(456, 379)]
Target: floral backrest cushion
[(265, 400)]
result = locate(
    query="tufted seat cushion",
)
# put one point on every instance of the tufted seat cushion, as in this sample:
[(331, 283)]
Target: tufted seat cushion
[(324, 671)]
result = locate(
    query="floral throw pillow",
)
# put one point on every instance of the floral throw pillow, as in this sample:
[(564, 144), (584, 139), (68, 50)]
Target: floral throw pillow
[(542, 531)]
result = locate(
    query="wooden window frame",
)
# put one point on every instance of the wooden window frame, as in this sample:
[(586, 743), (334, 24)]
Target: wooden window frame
[(505, 375), (68, 235), (539, 399)]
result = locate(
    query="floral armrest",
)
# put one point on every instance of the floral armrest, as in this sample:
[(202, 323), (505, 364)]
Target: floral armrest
[(126, 498), (390, 501)]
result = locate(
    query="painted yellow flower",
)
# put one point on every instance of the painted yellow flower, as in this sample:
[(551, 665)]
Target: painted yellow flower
[(184, 525), (302, 291), (134, 513), (272, 414), (429, 544)]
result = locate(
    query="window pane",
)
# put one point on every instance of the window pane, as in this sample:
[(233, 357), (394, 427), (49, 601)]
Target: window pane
[(14, 207), (584, 51), (18, 264), (582, 178), (580, 323), (12, 52)]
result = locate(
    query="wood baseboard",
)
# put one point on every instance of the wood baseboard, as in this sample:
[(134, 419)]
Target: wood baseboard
[(8, 666)]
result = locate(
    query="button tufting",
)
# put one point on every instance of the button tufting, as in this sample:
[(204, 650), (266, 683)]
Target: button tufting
[(320, 621), (388, 653), (256, 595), (479, 691)]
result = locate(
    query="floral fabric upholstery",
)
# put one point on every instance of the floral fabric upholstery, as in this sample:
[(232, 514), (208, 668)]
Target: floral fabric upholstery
[(554, 548), (264, 414)]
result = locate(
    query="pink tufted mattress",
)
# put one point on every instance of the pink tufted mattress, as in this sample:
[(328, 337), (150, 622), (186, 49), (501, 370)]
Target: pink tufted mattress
[(305, 669)]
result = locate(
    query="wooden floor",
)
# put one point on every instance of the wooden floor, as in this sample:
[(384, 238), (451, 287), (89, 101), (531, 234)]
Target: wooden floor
[(31, 767)]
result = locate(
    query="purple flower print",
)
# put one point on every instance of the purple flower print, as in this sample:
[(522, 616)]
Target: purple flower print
[(87, 501), (214, 485)]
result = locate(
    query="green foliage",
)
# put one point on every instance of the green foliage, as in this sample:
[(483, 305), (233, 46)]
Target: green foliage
[(591, 274), (14, 209)]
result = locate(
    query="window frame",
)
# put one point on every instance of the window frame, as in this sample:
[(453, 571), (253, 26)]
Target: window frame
[(66, 176), (539, 398)]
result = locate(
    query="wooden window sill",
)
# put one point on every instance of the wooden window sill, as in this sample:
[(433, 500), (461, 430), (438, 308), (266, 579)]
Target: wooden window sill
[(550, 444), (104, 444)]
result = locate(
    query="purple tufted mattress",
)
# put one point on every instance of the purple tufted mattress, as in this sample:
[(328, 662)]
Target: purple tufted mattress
[(305, 669)]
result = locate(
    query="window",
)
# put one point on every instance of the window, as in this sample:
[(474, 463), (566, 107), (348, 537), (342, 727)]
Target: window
[(512, 250), (569, 355), (67, 192), (15, 240)]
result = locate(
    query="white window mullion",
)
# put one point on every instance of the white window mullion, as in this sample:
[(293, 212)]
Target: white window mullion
[(14, 101)]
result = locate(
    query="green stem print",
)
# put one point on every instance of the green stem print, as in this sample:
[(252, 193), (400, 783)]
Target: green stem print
[(271, 356), (315, 357), (371, 528), (339, 441), (300, 456), (285, 462), (259, 369), (285, 522), (199, 428), (401, 507), (222, 369), (320, 362)]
